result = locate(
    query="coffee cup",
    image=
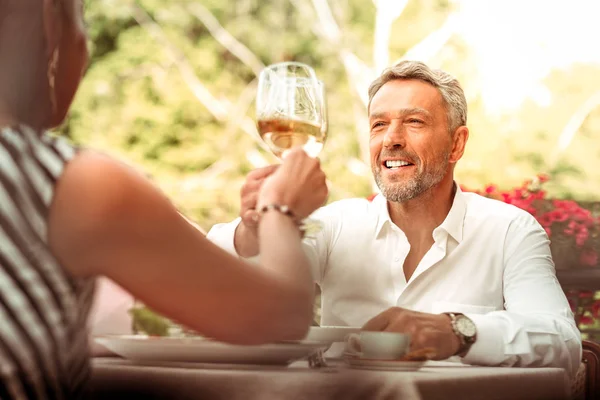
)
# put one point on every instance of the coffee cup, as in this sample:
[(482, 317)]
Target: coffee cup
[(377, 345)]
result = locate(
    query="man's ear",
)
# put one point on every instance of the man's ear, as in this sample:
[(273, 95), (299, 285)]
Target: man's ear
[(459, 141)]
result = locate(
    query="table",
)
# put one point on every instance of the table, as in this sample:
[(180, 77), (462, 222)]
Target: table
[(121, 379)]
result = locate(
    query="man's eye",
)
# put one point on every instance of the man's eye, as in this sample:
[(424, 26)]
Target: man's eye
[(377, 124), (415, 121)]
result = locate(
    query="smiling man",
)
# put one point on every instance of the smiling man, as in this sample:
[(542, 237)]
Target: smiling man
[(463, 274)]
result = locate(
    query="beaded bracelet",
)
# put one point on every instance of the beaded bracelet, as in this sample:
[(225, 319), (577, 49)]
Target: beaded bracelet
[(285, 210)]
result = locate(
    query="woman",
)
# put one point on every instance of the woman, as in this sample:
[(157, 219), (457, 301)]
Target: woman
[(67, 216)]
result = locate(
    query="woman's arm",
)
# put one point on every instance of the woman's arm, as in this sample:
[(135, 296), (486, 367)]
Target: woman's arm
[(106, 219)]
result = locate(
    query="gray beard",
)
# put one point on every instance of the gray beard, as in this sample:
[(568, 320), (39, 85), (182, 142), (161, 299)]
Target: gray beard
[(400, 192)]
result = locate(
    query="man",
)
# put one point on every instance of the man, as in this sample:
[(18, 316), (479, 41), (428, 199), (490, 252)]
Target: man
[(464, 275)]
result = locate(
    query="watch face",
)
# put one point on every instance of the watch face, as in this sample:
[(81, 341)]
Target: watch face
[(465, 326)]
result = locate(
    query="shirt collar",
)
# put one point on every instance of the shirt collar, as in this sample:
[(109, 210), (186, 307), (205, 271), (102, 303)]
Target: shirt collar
[(455, 220), (383, 214), (452, 225)]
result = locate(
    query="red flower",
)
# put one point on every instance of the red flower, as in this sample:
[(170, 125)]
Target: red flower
[(490, 189), (588, 258), (372, 196), (582, 236), (519, 193), (586, 320), (538, 195), (586, 294), (545, 220), (561, 216), (543, 178)]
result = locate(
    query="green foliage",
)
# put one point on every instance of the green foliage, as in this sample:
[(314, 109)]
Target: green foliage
[(147, 321)]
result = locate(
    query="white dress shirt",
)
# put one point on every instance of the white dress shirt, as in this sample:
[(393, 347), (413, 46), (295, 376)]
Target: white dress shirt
[(490, 261)]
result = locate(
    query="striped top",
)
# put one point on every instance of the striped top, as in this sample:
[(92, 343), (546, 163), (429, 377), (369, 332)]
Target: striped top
[(43, 310)]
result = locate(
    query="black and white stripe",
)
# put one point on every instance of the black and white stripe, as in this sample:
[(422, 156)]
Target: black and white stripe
[(43, 310)]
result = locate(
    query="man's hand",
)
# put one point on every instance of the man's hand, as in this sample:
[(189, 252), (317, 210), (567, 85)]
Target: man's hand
[(433, 331), (246, 237)]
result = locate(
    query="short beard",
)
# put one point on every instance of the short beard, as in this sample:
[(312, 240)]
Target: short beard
[(400, 192)]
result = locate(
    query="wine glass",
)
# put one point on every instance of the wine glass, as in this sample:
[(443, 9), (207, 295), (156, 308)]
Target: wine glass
[(290, 108), (291, 112)]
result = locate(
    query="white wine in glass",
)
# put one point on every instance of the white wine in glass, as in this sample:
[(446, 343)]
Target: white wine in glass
[(291, 112), (284, 134)]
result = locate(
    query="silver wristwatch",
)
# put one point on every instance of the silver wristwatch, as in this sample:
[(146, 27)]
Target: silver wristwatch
[(465, 330)]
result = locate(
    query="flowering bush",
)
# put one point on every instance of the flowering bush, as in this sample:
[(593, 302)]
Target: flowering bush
[(574, 231), (585, 305), (587, 302)]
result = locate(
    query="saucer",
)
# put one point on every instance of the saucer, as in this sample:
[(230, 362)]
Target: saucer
[(383, 365)]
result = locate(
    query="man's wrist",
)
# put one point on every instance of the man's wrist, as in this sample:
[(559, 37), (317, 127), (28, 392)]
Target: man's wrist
[(464, 330), (455, 340)]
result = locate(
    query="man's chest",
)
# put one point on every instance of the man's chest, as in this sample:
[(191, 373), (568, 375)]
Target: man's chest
[(448, 275)]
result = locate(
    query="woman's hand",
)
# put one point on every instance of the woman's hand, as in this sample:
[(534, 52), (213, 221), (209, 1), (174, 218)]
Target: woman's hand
[(298, 183)]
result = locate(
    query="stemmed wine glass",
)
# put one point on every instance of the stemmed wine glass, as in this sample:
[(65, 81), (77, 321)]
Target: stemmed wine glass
[(291, 111)]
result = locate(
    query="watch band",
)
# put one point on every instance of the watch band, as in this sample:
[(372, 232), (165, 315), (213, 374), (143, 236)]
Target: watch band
[(465, 341)]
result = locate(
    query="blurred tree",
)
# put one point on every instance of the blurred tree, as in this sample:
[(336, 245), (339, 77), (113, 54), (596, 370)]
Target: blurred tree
[(170, 88)]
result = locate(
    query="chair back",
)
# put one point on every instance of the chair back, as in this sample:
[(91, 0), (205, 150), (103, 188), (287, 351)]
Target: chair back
[(591, 358)]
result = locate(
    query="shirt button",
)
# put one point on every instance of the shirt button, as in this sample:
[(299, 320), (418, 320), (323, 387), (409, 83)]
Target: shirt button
[(396, 259)]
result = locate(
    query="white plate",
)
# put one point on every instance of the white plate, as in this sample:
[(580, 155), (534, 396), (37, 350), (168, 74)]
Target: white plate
[(200, 350), (383, 365), (330, 334)]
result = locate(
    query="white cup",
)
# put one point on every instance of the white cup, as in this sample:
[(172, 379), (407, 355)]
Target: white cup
[(377, 345)]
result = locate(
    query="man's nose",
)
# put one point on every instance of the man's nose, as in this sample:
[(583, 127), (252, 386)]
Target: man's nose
[(395, 136)]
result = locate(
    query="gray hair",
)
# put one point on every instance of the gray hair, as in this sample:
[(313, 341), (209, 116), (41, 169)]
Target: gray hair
[(451, 91)]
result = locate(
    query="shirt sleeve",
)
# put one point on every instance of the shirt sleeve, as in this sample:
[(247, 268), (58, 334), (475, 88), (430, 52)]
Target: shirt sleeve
[(316, 247), (223, 234), (537, 327)]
